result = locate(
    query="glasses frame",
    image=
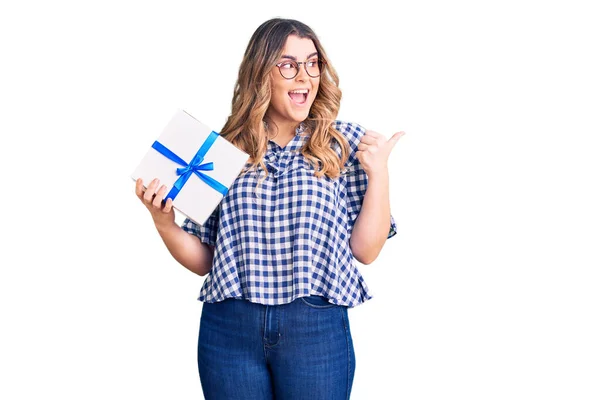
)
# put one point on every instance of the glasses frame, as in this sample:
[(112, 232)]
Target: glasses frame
[(298, 63)]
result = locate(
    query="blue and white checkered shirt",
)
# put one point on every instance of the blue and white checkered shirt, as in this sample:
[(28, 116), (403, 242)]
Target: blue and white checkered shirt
[(290, 237)]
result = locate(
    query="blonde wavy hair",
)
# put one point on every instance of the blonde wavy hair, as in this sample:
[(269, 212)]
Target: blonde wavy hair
[(246, 128)]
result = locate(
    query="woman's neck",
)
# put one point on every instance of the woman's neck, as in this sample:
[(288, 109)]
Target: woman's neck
[(281, 130)]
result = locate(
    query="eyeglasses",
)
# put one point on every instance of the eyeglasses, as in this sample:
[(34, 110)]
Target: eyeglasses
[(289, 69)]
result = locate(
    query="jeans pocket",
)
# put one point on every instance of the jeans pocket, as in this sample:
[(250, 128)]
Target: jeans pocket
[(315, 301)]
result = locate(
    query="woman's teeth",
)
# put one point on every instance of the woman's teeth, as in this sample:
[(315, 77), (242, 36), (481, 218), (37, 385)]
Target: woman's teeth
[(298, 96)]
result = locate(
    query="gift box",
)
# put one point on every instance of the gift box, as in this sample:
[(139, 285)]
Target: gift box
[(195, 163)]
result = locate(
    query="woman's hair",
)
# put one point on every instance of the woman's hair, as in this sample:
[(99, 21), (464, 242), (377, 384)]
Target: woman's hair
[(245, 127)]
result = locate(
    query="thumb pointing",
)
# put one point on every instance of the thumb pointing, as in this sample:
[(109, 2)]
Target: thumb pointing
[(394, 139)]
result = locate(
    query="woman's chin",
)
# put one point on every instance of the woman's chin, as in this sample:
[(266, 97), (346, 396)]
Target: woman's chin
[(299, 116)]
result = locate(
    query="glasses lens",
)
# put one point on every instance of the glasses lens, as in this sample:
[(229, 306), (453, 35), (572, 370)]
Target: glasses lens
[(313, 68), (288, 69)]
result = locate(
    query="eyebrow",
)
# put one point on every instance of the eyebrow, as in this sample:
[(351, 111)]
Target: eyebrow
[(295, 59)]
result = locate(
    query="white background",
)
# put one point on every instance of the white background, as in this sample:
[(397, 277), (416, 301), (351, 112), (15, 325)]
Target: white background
[(490, 288)]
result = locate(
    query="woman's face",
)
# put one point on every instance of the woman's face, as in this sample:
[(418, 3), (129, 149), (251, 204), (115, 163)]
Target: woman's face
[(291, 99)]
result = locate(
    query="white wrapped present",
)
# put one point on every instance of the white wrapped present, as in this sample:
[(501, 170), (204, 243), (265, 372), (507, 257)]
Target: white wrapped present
[(195, 163)]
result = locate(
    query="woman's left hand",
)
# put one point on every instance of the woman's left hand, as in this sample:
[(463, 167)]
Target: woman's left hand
[(374, 150)]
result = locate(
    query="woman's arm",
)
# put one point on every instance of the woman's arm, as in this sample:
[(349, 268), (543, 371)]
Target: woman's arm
[(187, 249), (372, 225)]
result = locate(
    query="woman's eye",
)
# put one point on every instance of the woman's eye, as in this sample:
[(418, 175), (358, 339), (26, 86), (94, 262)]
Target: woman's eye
[(312, 63), (287, 65)]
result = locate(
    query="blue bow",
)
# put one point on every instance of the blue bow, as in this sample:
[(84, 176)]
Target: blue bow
[(194, 167)]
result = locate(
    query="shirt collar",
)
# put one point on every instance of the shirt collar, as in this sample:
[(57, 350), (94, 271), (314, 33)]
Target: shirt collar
[(295, 144)]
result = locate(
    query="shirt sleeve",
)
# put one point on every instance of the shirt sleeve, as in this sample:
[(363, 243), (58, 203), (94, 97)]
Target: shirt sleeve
[(356, 178), (206, 232)]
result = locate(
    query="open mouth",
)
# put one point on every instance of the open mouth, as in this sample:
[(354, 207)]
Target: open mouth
[(298, 96)]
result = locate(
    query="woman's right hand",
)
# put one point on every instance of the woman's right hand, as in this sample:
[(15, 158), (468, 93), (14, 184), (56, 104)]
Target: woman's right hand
[(162, 212)]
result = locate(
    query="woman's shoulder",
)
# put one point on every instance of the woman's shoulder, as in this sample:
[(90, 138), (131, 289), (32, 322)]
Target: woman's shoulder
[(353, 133), (349, 129)]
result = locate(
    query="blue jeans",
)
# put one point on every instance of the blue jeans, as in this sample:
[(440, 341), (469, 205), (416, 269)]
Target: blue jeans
[(300, 350)]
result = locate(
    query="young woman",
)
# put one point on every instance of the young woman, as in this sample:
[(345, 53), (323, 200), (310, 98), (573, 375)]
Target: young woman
[(278, 252)]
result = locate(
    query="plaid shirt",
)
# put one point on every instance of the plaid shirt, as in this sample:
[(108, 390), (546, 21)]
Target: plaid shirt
[(290, 237)]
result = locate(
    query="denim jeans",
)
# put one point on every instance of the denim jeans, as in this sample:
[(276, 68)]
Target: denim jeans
[(300, 350)]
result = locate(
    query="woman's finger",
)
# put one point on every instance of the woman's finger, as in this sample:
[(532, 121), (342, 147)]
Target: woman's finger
[(372, 133), (139, 188), (168, 205), (150, 190), (368, 139), (160, 195)]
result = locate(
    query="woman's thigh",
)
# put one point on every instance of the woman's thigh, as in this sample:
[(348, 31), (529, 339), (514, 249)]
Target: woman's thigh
[(231, 359), (314, 357)]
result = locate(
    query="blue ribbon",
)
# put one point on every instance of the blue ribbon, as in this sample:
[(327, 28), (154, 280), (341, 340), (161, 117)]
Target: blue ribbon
[(194, 167)]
